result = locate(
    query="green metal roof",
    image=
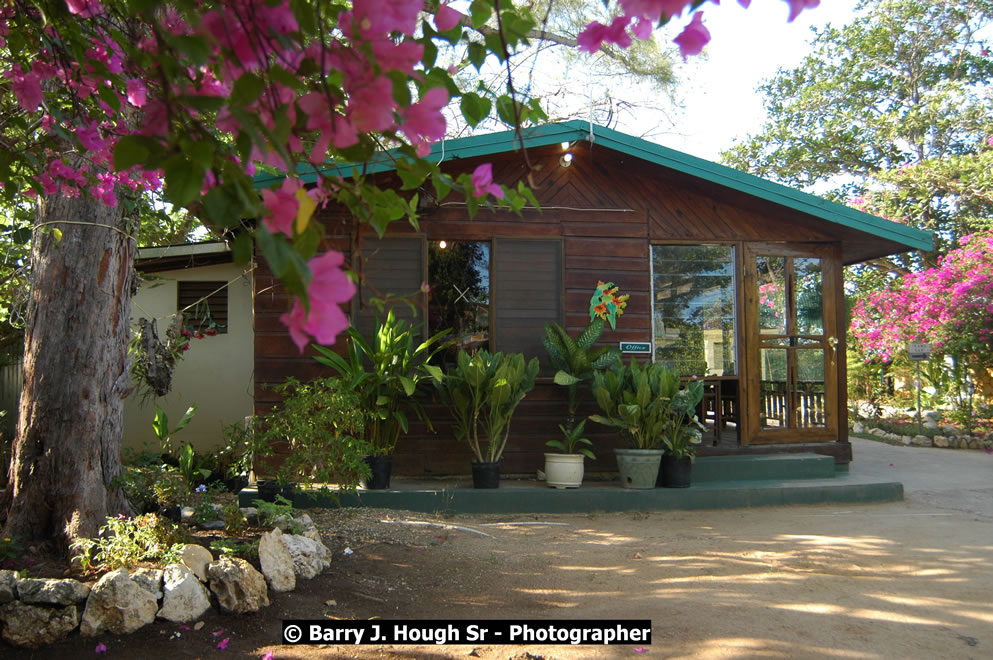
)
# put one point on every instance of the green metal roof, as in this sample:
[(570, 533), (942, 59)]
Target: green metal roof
[(570, 131)]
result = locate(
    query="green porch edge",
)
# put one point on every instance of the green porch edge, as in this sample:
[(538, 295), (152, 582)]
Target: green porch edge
[(722, 483)]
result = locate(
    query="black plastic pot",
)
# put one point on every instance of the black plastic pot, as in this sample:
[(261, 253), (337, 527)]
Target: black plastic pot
[(382, 467), (270, 488), (485, 475), (675, 472)]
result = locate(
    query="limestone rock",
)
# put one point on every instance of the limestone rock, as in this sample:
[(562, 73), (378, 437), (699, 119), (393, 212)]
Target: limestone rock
[(941, 441), (950, 430), (33, 626), (277, 564), (8, 586), (858, 427), (892, 438), (930, 424), (975, 444), (196, 558), (184, 598), (905, 440), (238, 586), (150, 579), (310, 557), (877, 432), (251, 514), (117, 604), (186, 514), (922, 441), (52, 592)]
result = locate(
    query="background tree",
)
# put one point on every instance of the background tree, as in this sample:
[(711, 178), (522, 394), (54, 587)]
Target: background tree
[(891, 111)]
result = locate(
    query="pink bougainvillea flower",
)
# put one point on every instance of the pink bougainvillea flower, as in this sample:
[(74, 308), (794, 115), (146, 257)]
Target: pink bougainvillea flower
[(797, 6), (482, 182), (328, 288), (100, 648), (446, 18), (223, 644), (423, 122), (642, 28), (654, 9), (27, 88), (595, 34), (693, 37), (85, 8), (281, 207), (269, 655), (137, 93)]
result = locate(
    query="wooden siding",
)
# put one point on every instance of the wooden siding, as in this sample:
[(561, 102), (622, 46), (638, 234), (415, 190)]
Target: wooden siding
[(604, 212)]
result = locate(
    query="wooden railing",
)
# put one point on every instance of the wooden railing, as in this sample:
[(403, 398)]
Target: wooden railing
[(809, 402)]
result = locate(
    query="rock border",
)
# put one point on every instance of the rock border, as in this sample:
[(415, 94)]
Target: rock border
[(38, 612)]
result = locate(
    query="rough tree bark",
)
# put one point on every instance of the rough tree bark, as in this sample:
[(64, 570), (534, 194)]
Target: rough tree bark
[(67, 450)]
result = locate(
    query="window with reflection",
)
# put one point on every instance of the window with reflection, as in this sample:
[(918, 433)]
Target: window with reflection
[(694, 308), (459, 276)]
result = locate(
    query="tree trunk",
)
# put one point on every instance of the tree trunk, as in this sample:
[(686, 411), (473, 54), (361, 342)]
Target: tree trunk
[(67, 450)]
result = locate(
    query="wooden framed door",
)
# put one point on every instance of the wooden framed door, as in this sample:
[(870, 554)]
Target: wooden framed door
[(790, 343)]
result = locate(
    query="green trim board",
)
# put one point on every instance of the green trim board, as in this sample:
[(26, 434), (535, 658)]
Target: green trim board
[(575, 130)]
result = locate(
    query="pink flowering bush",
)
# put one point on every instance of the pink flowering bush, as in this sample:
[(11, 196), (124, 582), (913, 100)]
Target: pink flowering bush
[(949, 306)]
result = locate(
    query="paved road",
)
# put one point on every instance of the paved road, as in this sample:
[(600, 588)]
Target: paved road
[(957, 479)]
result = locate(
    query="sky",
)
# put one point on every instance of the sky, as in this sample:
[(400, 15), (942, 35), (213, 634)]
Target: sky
[(747, 46)]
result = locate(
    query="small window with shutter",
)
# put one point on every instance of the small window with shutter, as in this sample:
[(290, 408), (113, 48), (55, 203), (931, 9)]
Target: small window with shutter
[(204, 306)]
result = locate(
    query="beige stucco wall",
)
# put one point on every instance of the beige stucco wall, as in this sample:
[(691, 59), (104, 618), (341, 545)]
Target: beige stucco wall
[(216, 372)]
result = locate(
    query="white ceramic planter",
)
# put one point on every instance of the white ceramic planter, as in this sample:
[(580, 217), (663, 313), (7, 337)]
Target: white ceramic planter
[(564, 470)]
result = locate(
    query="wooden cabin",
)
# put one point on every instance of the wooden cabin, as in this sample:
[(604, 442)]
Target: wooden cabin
[(732, 279)]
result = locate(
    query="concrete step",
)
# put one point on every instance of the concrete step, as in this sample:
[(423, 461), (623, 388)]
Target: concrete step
[(764, 467)]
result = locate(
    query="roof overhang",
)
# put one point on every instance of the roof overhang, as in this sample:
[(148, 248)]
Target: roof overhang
[(863, 236), (184, 255)]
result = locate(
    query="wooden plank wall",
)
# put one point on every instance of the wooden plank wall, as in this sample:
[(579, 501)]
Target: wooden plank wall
[(606, 208)]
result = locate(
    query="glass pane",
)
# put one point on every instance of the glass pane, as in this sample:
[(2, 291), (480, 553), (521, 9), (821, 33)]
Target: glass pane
[(772, 295), (459, 275), (774, 402), (693, 309), (810, 388), (809, 296)]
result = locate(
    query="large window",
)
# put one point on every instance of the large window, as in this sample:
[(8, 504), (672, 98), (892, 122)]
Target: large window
[(459, 275), (693, 308)]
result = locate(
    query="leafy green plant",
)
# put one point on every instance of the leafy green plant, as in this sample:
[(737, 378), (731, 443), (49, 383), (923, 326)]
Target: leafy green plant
[(271, 512), (386, 372), (241, 448), (160, 425), (125, 542), (191, 468), (247, 550), (483, 392), (647, 405), (234, 520), (571, 441), (575, 360), (10, 549), (323, 424)]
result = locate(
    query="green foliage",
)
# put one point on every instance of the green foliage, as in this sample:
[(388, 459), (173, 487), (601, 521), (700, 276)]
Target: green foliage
[(234, 520), (323, 424), (896, 105), (247, 550), (575, 359), (483, 392), (572, 439), (271, 513), (648, 406), (386, 372), (241, 447), (125, 542), (10, 549), (160, 425)]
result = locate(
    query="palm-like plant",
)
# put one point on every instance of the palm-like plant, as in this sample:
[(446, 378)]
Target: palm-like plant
[(575, 360), (386, 372)]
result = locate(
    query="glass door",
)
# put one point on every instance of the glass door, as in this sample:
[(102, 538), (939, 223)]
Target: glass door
[(791, 344)]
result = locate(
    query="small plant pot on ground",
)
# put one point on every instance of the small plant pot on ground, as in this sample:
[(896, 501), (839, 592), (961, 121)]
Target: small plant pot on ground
[(270, 488), (564, 470), (485, 474), (382, 468), (675, 472), (638, 468)]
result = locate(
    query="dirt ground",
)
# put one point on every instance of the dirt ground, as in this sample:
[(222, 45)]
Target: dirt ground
[(902, 580)]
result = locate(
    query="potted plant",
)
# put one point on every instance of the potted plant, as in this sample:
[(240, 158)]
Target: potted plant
[(681, 437), (386, 372), (637, 400), (575, 361), (322, 425), (483, 391)]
